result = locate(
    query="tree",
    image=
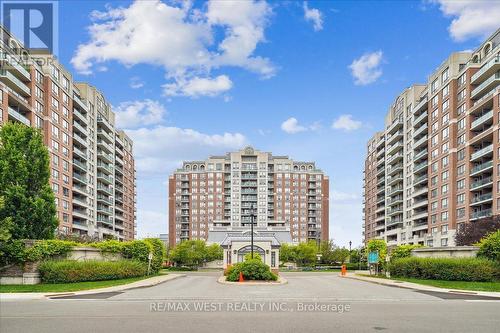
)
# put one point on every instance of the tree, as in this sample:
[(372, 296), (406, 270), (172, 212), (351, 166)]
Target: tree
[(214, 252), (5, 225), (489, 246), (472, 232), (340, 255), (24, 183), (326, 251), (403, 251), (248, 256), (305, 253), (287, 253), (355, 256), (193, 253)]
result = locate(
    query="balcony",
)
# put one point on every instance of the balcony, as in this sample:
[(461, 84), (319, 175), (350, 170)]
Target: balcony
[(79, 153), (420, 130), (421, 166), (419, 180), (15, 64), (395, 157), (394, 168), (106, 157), (420, 155), (103, 121), (480, 214), (80, 127), (396, 190), (104, 167), (19, 117), (395, 147), (480, 199), (105, 199), (104, 135), (79, 139), (80, 102), (13, 82), (481, 167), (104, 178), (481, 120), (82, 166), (421, 105), (481, 183), (489, 84), (104, 189), (395, 179), (487, 69), (79, 115), (102, 144), (81, 178), (398, 123), (482, 152), (420, 142), (390, 138), (420, 119)]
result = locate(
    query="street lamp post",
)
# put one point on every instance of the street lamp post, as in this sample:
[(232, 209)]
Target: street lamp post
[(350, 243), (251, 230)]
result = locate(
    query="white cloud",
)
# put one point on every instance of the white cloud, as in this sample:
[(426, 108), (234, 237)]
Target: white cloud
[(366, 69), (134, 114), (199, 86), (151, 223), (136, 83), (471, 18), (160, 149), (179, 38), (313, 15), (291, 126), (346, 123)]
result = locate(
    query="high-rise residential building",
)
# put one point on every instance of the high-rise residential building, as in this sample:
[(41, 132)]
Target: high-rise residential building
[(436, 165), (91, 162), (220, 192)]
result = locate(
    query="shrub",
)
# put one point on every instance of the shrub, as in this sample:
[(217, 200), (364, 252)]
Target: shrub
[(159, 253), (66, 271), (450, 269), (248, 256), (111, 246), (403, 251), (48, 248), (489, 247), (253, 269)]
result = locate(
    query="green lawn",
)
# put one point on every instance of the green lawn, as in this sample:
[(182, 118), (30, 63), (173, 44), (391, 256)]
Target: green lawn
[(66, 287), (458, 285)]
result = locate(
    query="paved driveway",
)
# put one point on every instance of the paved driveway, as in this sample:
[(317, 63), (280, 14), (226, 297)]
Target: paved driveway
[(366, 307)]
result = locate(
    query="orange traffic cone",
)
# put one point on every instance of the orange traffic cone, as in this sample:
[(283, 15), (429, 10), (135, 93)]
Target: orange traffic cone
[(241, 277)]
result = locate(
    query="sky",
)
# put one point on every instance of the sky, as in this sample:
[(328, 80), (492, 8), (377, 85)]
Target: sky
[(311, 80)]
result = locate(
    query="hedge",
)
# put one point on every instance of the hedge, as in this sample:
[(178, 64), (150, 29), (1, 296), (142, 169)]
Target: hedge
[(489, 247), (66, 271), (15, 252), (252, 269), (449, 269)]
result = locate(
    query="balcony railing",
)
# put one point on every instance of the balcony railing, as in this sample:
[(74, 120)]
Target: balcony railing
[(482, 86), (481, 213), (481, 152), (19, 117), (485, 68), (483, 197), (482, 119), (479, 183)]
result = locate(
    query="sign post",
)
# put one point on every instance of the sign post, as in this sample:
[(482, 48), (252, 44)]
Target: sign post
[(373, 260), (150, 257)]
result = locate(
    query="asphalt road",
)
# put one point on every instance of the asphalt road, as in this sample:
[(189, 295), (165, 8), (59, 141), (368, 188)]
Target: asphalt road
[(310, 302)]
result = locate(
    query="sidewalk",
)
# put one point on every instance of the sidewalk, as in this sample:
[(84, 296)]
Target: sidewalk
[(153, 281), (416, 286)]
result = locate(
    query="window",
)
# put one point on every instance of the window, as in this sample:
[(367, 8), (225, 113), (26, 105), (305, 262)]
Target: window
[(444, 241), (444, 229), (461, 198), (461, 154), (461, 184), (55, 145), (435, 100), (434, 167), (434, 180), (461, 139), (444, 176), (445, 75), (461, 213), (461, 109), (444, 203), (445, 147), (445, 133), (444, 162), (444, 216), (446, 104), (446, 90), (434, 85), (55, 131), (444, 189), (462, 78), (38, 77), (55, 89), (461, 169), (462, 123)]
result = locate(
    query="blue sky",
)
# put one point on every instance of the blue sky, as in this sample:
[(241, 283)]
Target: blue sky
[(310, 80)]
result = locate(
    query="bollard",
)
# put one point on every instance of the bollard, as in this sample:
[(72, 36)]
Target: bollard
[(343, 270), (241, 277)]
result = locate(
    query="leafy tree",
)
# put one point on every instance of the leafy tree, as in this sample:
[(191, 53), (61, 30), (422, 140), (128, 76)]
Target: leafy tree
[(24, 183), (489, 247), (193, 253), (340, 255), (355, 256), (472, 232), (214, 252), (378, 245), (5, 225), (287, 253), (403, 251), (305, 253), (326, 249)]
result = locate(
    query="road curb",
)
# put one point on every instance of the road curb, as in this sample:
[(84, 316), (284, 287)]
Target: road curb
[(417, 287), (146, 283)]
